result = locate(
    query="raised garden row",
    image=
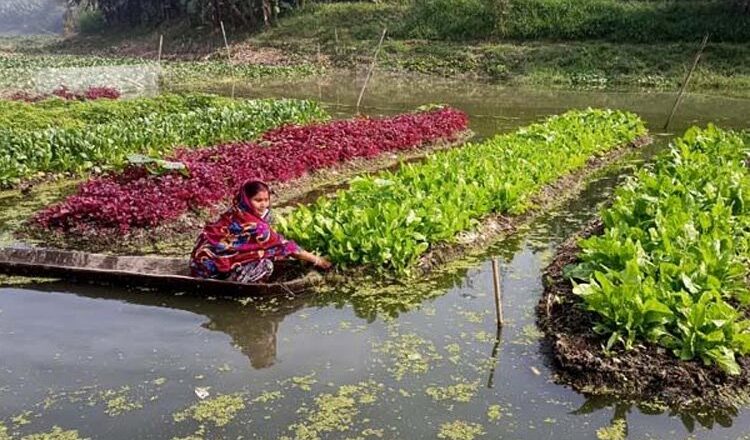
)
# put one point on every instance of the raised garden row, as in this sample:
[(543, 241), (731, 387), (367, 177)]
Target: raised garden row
[(671, 265), (390, 219), (101, 146), (137, 198)]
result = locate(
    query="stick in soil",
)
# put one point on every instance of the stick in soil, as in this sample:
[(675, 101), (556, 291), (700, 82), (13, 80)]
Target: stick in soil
[(498, 293), (372, 67), (678, 100), (229, 56), (161, 44)]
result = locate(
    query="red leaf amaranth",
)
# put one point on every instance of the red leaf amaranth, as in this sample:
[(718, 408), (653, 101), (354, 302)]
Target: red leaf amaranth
[(135, 198)]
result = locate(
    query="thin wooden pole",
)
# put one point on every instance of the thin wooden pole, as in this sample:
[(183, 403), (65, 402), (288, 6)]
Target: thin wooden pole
[(229, 57), (336, 37), (226, 43), (161, 44), (372, 67), (498, 293), (678, 100)]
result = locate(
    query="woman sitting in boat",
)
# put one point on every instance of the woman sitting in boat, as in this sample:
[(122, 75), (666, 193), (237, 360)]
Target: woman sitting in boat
[(241, 245)]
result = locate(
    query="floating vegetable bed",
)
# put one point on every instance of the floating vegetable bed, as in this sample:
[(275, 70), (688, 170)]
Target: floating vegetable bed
[(100, 137), (389, 220), (90, 94), (43, 73), (660, 308), (137, 198)]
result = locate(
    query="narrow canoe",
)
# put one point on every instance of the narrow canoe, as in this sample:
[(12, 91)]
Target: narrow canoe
[(145, 271)]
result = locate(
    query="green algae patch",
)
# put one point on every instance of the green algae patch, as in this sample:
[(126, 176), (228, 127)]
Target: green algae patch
[(454, 350), (460, 430), (494, 413), (21, 419), (4, 432), (411, 354), (460, 392), (268, 396), (57, 433), (304, 383), (220, 410), (616, 431), (335, 413), (529, 335), (119, 401)]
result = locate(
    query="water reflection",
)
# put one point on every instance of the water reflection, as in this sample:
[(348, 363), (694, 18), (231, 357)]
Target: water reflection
[(708, 419), (253, 328)]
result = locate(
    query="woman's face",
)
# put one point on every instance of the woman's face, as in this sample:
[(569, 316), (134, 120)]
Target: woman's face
[(261, 201)]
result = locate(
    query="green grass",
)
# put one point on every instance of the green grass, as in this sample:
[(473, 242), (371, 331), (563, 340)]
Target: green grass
[(557, 20)]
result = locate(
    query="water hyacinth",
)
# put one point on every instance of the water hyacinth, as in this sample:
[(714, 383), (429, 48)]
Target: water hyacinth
[(136, 198)]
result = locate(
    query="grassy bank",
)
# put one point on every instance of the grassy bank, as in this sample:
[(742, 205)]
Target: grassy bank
[(561, 43)]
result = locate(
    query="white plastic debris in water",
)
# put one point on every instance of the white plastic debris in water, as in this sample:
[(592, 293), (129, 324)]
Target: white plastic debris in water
[(202, 392)]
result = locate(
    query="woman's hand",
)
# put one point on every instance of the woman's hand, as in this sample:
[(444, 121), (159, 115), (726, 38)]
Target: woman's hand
[(322, 263)]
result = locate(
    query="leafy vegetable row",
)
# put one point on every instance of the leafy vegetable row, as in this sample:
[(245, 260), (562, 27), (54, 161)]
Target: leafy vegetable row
[(23, 71), (106, 146), (390, 219), (672, 264), (92, 93), (137, 198), (67, 114)]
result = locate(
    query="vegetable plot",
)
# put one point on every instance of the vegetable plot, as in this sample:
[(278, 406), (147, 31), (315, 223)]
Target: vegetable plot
[(137, 198), (90, 94), (107, 145), (390, 219), (671, 267)]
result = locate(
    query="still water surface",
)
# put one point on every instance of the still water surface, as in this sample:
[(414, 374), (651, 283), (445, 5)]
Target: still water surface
[(118, 364)]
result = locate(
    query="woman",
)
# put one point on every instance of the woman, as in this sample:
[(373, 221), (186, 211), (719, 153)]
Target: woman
[(241, 246)]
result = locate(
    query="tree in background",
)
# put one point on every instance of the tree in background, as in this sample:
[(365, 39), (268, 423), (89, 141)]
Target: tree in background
[(245, 13)]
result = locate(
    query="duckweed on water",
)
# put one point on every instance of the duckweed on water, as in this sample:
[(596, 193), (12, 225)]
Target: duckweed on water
[(475, 317), (454, 351), (21, 419), (529, 335), (220, 410), (334, 412), (56, 433), (460, 392), (4, 432), (460, 430), (119, 401), (410, 354), (616, 431), (494, 413), (304, 382), (268, 396)]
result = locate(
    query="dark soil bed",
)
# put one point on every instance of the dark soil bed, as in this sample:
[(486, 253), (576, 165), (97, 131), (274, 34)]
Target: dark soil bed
[(647, 373)]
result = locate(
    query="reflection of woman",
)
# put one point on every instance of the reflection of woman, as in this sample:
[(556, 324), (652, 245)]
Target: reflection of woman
[(241, 245)]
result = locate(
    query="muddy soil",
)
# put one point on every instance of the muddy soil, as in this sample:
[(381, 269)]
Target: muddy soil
[(647, 373)]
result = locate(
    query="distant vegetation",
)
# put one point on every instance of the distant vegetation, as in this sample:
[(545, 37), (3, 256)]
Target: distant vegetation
[(21, 17), (459, 20)]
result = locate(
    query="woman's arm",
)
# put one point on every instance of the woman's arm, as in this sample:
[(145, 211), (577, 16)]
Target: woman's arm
[(317, 261)]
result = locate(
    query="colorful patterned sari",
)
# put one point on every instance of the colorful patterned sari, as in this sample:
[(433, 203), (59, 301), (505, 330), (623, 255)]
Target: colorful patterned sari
[(239, 246)]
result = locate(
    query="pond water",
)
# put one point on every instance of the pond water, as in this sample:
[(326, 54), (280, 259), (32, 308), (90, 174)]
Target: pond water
[(408, 362)]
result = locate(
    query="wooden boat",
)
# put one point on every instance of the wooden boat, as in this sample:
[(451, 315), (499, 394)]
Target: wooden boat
[(146, 271)]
